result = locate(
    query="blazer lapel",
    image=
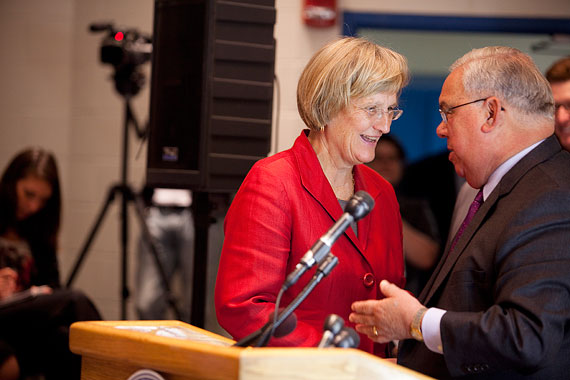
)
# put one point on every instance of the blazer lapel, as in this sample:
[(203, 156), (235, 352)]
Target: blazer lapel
[(314, 181), (361, 182)]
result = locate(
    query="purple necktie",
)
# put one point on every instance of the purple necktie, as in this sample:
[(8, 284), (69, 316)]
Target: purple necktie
[(470, 214)]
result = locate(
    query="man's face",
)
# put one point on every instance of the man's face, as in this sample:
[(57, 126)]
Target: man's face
[(465, 140), (561, 93)]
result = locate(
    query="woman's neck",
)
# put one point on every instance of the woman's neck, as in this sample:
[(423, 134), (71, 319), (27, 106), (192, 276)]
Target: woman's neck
[(339, 175)]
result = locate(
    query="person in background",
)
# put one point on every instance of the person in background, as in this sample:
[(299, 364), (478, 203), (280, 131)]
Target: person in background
[(433, 179), (498, 303), (171, 224), (559, 77), (348, 97), (35, 313), (421, 239)]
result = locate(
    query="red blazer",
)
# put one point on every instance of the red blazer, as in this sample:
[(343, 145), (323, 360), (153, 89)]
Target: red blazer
[(283, 207)]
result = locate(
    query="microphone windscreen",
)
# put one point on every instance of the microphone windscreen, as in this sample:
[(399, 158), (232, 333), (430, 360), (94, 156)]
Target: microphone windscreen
[(359, 205), (347, 338), (354, 337), (286, 327), (333, 323), (332, 326)]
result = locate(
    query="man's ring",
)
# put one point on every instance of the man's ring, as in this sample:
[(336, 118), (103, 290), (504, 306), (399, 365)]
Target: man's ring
[(374, 331)]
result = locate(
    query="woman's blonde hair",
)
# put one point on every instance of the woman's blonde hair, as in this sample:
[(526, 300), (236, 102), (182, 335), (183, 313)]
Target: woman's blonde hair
[(346, 69)]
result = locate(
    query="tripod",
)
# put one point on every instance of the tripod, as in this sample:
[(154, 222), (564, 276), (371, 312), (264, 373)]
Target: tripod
[(127, 87)]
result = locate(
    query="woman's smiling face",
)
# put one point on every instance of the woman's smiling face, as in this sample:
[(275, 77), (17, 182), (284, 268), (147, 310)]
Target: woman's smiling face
[(352, 135)]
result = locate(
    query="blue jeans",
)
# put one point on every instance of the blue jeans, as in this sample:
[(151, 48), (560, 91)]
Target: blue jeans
[(173, 231)]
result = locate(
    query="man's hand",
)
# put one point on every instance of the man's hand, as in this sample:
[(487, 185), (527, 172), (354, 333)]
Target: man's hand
[(386, 319)]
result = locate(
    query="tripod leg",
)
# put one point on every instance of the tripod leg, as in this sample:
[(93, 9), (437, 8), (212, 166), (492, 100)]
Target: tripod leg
[(89, 240), (150, 241), (124, 250)]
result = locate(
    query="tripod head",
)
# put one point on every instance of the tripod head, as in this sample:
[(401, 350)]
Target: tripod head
[(125, 49)]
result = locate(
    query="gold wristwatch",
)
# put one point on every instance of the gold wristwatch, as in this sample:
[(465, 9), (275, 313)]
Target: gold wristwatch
[(416, 326)]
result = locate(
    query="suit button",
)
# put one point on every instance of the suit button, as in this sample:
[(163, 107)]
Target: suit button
[(368, 280)]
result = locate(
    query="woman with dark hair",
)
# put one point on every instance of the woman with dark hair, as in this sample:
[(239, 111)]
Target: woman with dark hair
[(35, 314), (30, 211)]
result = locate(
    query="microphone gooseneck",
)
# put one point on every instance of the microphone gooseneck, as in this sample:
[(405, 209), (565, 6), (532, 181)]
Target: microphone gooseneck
[(357, 207), (323, 270), (288, 324)]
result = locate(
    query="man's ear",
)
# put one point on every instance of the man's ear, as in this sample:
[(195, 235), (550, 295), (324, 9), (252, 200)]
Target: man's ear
[(494, 111)]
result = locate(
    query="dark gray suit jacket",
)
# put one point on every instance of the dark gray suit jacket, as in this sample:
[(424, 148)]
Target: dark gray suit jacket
[(506, 285)]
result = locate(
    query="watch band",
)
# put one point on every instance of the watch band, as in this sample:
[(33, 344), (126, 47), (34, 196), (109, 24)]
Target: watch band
[(416, 326)]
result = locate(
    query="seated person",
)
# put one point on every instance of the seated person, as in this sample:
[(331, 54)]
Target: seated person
[(35, 313)]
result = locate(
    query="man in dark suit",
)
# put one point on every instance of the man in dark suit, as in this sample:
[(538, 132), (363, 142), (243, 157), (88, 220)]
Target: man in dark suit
[(498, 304)]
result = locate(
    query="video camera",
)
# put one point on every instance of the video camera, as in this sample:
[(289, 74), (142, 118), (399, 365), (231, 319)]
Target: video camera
[(123, 47)]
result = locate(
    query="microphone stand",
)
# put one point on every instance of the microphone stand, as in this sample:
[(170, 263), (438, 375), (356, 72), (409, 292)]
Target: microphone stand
[(323, 270)]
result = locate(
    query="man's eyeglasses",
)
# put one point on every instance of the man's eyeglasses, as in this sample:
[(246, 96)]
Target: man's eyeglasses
[(374, 112), (446, 112)]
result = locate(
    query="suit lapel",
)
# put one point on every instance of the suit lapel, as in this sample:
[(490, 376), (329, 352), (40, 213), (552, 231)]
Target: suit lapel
[(541, 153), (448, 261)]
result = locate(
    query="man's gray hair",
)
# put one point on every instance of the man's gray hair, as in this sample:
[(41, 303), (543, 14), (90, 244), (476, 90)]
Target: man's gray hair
[(508, 74)]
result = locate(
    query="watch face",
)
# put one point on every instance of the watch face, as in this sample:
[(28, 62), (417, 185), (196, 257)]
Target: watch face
[(416, 326), (417, 335)]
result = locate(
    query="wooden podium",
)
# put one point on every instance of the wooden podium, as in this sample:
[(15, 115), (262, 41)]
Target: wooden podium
[(114, 350)]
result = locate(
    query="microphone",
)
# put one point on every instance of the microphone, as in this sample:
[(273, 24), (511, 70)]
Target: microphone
[(285, 328), (347, 338), (333, 325), (357, 207)]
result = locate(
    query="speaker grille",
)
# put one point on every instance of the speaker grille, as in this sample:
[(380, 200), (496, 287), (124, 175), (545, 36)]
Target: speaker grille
[(212, 92)]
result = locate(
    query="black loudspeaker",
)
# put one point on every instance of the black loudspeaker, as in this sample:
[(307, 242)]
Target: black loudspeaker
[(211, 92)]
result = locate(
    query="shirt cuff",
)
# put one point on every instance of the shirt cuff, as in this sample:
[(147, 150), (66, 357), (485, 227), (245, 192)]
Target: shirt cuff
[(431, 329)]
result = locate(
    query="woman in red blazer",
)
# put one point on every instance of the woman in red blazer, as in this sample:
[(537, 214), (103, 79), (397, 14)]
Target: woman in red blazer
[(347, 96)]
